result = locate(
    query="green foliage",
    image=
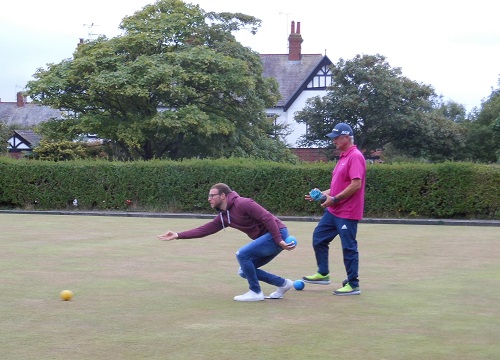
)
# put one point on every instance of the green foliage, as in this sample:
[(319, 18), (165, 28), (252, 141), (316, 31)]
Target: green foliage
[(482, 140), (175, 85), (383, 107), (371, 96), (451, 110), (69, 150), (447, 190), (5, 134), (60, 131), (434, 138)]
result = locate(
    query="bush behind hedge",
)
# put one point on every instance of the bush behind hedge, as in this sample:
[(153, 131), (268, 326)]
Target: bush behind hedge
[(448, 190)]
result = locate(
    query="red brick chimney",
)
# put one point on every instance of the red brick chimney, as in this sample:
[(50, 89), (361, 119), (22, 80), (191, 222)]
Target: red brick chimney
[(21, 99), (294, 43)]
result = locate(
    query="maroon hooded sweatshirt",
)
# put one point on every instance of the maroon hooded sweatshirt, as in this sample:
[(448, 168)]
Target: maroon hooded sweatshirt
[(243, 214)]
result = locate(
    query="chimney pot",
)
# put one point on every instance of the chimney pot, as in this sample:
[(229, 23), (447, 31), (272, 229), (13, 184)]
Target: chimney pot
[(294, 44), (20, 99)]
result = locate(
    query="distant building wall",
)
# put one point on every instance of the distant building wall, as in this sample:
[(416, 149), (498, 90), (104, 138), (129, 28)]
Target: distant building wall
[(310, 154)]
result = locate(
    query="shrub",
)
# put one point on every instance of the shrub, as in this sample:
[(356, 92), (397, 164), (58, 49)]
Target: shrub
[(447, 190)]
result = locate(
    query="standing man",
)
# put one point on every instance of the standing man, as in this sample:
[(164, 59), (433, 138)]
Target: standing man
[(344, 203), (266, 230)]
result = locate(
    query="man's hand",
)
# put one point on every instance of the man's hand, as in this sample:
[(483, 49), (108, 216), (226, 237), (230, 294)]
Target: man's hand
[(316, 195), (169, 235), (286, 246)]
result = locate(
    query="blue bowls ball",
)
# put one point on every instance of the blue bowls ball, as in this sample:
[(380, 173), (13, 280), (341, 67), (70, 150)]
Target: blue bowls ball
[(298, 284), (291, 239)]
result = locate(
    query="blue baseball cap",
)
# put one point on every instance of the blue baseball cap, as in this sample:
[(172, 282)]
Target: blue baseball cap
[(340, 129)]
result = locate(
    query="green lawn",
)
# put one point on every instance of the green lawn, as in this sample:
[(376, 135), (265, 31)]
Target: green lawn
[(428, 292)]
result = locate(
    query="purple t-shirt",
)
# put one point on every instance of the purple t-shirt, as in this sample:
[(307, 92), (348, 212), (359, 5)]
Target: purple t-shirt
[(351, 165)]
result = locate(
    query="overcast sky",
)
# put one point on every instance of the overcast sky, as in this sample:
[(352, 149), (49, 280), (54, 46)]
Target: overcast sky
[(452, 45)]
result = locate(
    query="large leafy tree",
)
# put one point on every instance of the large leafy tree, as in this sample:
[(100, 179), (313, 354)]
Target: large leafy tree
[(382, 106), (5, 133), (451, 110), (483, 130), (175, 84)]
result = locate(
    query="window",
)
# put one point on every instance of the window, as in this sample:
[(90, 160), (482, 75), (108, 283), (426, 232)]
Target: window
[(322, 79)]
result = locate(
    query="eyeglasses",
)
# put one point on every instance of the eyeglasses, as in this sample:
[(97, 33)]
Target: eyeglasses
[(211, 196)]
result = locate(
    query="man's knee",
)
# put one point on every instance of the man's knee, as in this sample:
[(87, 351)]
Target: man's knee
[(321, 241), (242, 254)]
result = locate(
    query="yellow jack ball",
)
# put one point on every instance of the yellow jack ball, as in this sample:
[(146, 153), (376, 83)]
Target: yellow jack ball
[(66, 295)]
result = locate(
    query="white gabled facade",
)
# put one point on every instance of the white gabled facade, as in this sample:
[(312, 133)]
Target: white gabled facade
[(22, 141), (288, 117), (300, 77), (16, 143)]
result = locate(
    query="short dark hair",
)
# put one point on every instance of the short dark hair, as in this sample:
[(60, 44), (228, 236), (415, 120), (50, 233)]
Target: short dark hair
[(222, 188)]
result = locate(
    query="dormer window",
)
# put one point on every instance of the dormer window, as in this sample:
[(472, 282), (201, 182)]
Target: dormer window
[(322, 79)]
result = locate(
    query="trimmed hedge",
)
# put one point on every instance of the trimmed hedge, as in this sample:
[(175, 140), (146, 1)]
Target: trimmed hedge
[(448, 190)]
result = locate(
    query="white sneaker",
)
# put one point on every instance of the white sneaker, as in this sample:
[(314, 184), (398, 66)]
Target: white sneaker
[(278, 294), (250, 296)]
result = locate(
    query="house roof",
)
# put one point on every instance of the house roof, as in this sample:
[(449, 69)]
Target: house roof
[(292, 76), (27, 115), (29, 137)]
